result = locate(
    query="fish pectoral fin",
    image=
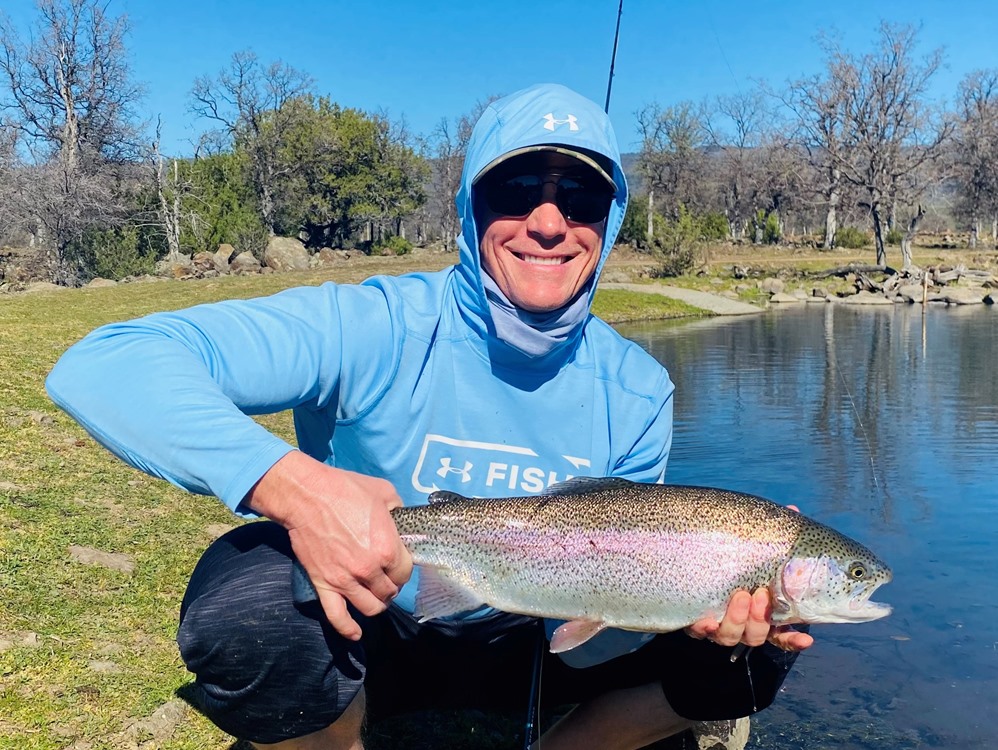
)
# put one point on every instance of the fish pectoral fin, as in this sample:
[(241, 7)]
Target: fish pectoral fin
[(439, 596), (574, 633)]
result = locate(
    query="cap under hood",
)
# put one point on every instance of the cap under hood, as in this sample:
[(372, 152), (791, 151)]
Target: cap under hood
[(544, 114)]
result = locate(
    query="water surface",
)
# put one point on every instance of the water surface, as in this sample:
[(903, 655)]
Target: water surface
[(884, 424)]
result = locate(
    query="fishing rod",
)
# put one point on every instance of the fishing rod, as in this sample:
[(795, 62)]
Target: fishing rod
[(613, 57), (531, 728)]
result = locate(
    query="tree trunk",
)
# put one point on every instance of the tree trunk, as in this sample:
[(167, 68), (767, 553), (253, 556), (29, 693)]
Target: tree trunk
[(909, 235), (650, 230), (878, 235), (831, 220), (975, 230)]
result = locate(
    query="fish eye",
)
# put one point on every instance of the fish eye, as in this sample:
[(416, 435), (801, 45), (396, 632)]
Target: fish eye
[(857, 571)]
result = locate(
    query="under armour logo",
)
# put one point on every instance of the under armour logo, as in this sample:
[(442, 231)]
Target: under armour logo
[(551, 123), (446, 468)]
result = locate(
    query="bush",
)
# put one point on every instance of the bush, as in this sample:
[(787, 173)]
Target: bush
[(714, 227), (894, 237), (392, 245), (677, 244), (114, 253), (851, 237), (634, 229)]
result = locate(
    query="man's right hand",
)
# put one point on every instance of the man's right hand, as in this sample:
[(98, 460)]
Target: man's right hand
[(341, 531)]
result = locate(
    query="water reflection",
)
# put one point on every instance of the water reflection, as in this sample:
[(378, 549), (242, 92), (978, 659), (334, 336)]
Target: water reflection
[(884, 423)]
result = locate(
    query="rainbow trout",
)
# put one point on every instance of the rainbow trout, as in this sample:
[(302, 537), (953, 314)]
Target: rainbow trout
[(647, 557)]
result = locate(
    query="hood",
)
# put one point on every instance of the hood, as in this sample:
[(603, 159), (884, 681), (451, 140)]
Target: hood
[(544, 114)]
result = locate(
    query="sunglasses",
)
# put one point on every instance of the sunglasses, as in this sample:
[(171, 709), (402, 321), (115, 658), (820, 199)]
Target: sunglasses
[(577, 199)]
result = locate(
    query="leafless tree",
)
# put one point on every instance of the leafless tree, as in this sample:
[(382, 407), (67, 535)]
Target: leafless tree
[(446, 147), (738, 126), (892, 136), (672, 159), (249, 101), (70, 99), (976, 150)]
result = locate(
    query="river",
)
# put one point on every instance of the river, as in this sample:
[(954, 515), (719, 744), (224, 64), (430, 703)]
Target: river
[(881, 422)]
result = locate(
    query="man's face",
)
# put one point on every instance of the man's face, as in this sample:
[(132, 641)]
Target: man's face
[(539, 257)]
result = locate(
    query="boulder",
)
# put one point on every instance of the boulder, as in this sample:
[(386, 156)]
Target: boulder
[(202, 262), (910, 292), (286, 254), (866, 298), (221, 257), (772, 286), (955, 295), (784, 298), (244, 263), (100, 283)]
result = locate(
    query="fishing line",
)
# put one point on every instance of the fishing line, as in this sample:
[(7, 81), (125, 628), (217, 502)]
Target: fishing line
[(530, 730), (862, 427)]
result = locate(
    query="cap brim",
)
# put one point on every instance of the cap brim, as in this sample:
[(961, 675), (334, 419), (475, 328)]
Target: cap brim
[(586, 159)]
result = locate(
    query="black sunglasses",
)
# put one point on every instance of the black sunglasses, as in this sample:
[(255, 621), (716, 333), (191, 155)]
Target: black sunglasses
[(577, 199)]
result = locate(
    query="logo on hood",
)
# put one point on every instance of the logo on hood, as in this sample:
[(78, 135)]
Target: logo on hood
[(551, 122)]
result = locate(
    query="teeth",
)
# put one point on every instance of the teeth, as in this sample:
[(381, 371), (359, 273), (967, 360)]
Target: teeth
[(542, 261)]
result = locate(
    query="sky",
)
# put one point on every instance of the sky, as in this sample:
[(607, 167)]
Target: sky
[(426, 60)]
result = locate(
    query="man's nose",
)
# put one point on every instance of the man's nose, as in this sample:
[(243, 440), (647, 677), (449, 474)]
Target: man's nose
[(546, 220)]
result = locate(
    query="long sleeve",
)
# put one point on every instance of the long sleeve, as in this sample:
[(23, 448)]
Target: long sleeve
[(171, 393)]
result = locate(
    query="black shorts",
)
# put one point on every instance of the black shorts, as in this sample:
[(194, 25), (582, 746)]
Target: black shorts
[(269, 669)]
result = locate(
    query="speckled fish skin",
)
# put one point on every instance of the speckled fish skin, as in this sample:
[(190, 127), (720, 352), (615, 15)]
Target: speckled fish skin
[(645, 557)]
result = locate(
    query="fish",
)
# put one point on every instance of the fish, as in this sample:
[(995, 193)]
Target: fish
[(611, 553)]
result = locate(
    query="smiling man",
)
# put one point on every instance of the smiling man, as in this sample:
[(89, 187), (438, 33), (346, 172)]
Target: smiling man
[(489, 378)]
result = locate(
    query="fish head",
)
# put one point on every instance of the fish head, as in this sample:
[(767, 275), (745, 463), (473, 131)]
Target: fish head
[(831, 586)]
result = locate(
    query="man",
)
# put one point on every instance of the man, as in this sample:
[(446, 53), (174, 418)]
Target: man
[(489, 378)]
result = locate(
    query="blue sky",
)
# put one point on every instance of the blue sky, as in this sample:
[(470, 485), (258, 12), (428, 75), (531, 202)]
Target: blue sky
[(426, 60)]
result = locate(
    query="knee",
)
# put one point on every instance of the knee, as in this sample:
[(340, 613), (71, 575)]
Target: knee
[(265, 669)]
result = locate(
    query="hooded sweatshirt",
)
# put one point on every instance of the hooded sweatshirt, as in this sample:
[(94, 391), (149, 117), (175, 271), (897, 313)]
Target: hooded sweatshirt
[(407, 378)]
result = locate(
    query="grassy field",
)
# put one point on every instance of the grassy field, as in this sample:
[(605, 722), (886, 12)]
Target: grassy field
[(94, 556)]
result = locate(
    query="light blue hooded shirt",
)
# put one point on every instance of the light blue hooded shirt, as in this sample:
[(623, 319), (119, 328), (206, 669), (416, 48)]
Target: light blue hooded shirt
[(405, 378)]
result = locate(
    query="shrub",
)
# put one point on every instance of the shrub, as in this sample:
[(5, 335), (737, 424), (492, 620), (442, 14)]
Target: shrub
[(392, 245), (894, 237), (677, 244), (714, 226), (114, 253), (634, 229), (851, 237)]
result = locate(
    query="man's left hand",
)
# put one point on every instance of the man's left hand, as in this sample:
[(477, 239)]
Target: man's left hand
[(746, 621)]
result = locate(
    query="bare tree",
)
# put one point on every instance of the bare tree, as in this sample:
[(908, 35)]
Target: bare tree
[(672, 159), (70, 99), (976, 150), (447, 146), (737, 126), (818, 108), (250, 102), (891, 135)]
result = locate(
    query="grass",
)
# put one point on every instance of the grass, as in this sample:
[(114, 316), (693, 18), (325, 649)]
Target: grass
[(87, 654), (87, 657)]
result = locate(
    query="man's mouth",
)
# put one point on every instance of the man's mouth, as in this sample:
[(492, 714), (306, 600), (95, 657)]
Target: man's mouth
[(539, 260)]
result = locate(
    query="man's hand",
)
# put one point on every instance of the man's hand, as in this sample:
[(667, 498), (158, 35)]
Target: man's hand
[(746, 620), (341, 531)]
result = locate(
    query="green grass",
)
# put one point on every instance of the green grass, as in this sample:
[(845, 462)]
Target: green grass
[(87, 652)]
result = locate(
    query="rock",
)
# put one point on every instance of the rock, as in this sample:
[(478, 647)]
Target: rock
[(100, 283), (221, 257), (866, 298), (42, 286), (112, 560), (772, 286), (784, 298), (286, 254), (161, 724), (327, 255), (203, 262), (244, 263), (955, 295), (910, 292), (819, 293)]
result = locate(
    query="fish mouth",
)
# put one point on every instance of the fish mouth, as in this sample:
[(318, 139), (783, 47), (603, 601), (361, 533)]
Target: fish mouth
[(865, 610)]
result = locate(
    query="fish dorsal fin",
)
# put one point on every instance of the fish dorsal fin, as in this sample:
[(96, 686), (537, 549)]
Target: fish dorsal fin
[(443, 496), (581, 485)]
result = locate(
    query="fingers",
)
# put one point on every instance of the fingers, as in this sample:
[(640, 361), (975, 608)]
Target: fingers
[(746, 620), (790, 640)]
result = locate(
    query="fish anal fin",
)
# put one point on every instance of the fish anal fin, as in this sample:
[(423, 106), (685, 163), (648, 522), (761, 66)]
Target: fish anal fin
[(574, 633), (439, 596)]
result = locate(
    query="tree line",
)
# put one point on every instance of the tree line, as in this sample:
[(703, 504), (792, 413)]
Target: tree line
[(86, 184)]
